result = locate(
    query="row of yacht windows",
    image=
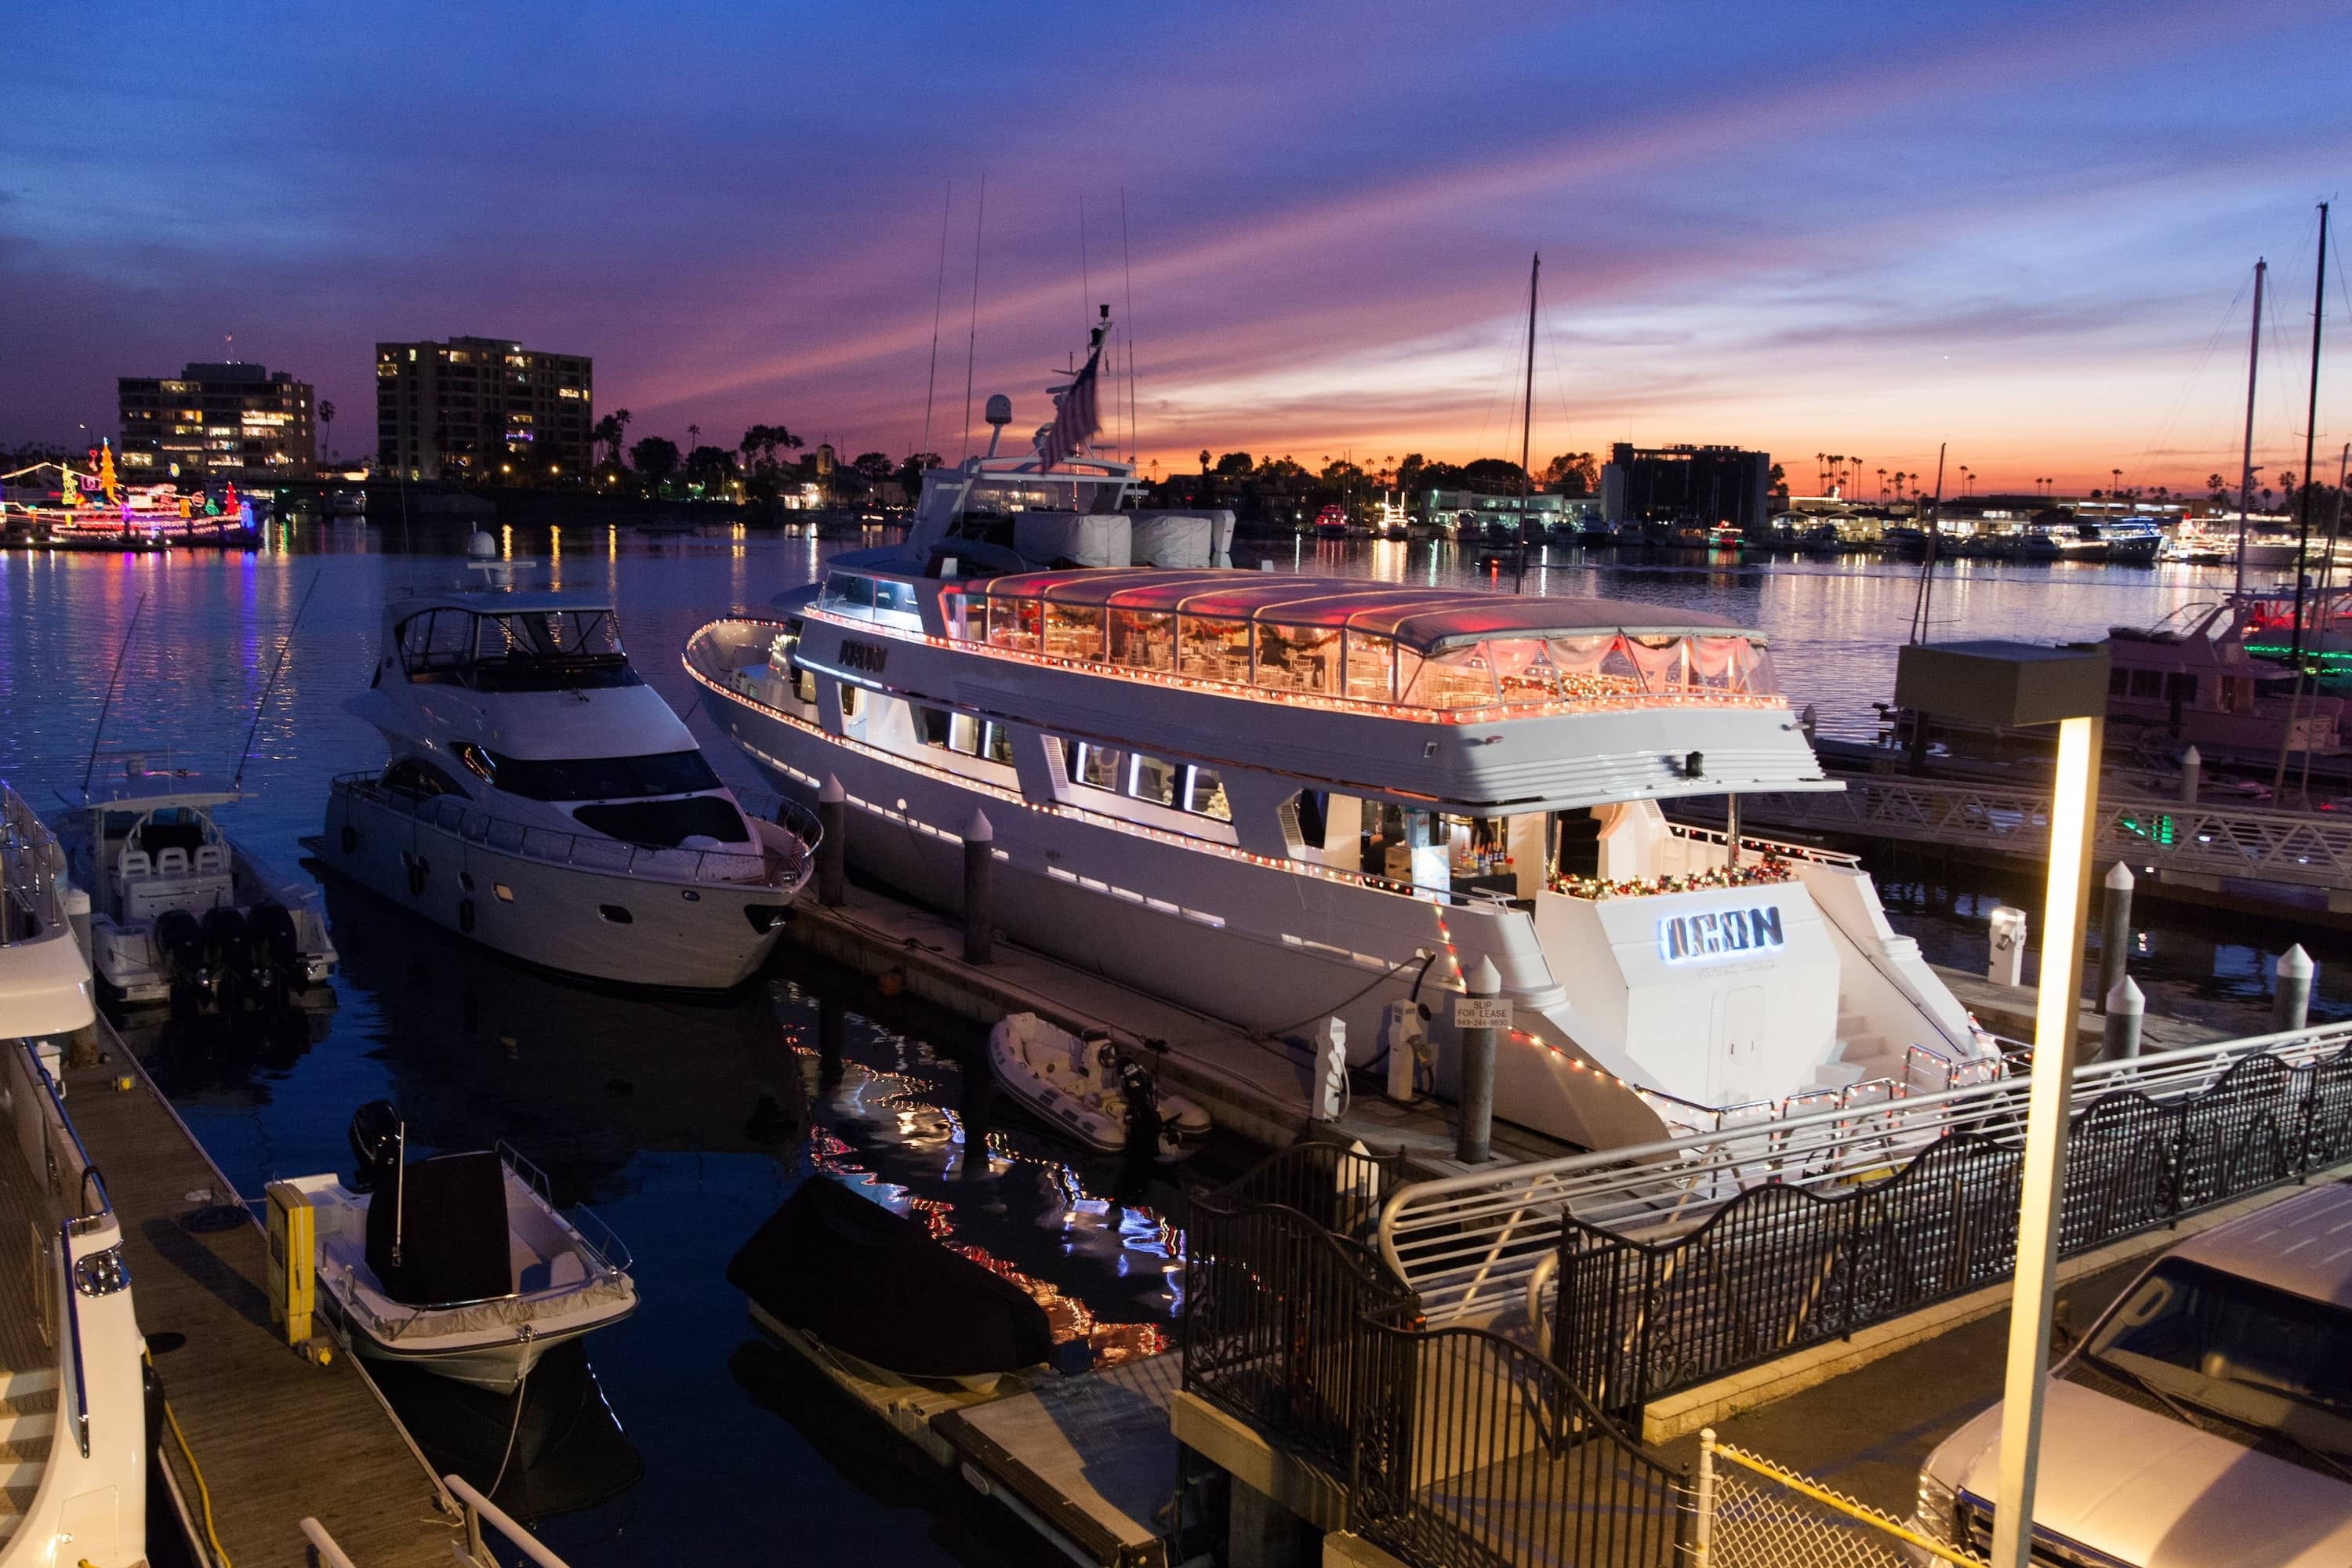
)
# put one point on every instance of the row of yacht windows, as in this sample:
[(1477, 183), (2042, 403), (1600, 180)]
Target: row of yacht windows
[(1365, 666), (1181, 786)]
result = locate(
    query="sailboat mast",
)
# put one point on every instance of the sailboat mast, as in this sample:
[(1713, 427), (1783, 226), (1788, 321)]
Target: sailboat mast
[(1527, 424), (2310, 434), (2246, 478)]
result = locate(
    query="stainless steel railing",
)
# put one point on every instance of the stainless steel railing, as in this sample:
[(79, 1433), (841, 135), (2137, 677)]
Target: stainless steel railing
[(594, 852)]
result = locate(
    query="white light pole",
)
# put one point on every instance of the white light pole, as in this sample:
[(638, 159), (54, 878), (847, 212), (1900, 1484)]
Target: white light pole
[(2072, 814)]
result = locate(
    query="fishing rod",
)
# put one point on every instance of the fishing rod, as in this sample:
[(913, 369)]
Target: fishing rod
[(104, 707), (284, 649)]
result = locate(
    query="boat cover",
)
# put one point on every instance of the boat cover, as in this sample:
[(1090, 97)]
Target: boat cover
[(450, 1213), (875, 1284)]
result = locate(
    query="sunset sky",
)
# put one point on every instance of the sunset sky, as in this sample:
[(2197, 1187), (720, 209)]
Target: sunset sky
[(2027, 228)]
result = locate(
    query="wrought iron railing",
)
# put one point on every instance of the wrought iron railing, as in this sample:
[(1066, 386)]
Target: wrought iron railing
[(1468, 1245), (1451, 1446), (1781, 1266), (594, 852)]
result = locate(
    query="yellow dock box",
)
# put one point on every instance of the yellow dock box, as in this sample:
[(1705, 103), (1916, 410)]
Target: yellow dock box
[(293, 1260)]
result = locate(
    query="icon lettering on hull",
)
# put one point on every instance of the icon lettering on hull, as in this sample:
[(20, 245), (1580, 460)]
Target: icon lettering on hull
[(1683, 938)]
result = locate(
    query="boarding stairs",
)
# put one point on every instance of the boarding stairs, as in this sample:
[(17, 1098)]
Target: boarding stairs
[(28, 1418)]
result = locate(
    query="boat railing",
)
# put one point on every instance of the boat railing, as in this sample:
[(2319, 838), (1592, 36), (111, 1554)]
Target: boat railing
[(32, 874), (606, 1245), (88, 1260), (594, 852), (480, 1509), (1772, 847)]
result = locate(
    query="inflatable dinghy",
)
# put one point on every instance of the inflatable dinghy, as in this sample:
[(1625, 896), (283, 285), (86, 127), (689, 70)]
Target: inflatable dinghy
[(1080, 1087)]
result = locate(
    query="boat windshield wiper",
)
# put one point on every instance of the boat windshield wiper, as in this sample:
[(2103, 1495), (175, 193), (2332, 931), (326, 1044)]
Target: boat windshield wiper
[(2179, 1405)]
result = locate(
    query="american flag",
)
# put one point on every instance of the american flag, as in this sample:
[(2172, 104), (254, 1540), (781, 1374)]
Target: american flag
[(1078, 417)]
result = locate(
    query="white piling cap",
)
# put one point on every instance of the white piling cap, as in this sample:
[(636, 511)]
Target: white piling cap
[(2127, 997), (830, 792), (1487, 981), (2191, 758), (2119, 877), (2295, 964), (978, 831)]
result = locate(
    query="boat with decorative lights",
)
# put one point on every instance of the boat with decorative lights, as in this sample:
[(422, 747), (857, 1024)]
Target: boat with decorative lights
[(540, 799), (1277, 799)]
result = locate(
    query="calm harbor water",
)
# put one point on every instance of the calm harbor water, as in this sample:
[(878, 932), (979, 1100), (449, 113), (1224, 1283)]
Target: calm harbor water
[(683, 1123)]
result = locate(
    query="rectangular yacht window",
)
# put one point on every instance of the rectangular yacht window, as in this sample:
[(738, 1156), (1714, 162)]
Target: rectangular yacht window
[(1297, 659), (996, 742), (1155, 780), (1455, 678), (963, 734), (1371, 668), (1213, 650), (1013, 624), (1074, 631), (845, 591), (1098, 767), (1524, 669), (1205, 794), (1143, 639)]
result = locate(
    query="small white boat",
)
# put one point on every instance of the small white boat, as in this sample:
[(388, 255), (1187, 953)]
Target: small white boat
[(459, 1263), (1080, 1087), (181, 913)]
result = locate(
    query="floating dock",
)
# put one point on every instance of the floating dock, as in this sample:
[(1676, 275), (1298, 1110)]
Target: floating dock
[(275, 1437), (1256, 1087)]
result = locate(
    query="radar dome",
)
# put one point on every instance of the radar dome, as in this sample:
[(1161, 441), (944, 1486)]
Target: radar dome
[(482, 547), (1000, 409)]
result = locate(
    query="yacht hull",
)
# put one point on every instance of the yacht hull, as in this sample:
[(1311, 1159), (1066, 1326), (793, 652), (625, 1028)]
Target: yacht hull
[(1250, 945), (609, 927)]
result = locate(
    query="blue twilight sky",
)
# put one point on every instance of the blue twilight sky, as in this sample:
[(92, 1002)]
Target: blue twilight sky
[(2025, 227)]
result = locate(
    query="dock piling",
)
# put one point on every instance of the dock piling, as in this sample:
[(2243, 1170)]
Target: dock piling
[(2290, 1003), (978, 853), (2126, 1008), (2114, 930), (1476, 1132), (833, 849), (2193, 775)]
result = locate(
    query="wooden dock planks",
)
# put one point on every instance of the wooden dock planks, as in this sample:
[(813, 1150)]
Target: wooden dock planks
[(277, 1438)]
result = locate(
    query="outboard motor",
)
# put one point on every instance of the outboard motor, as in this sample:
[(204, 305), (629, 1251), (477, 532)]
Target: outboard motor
[(224, 955), (377, 1140), (181, 943), (274, 956)]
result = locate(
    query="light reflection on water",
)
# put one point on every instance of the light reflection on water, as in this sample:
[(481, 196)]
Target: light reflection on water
[(681, 1121)]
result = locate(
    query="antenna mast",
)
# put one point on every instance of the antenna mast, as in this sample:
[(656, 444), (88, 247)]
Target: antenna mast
[(939, 297), (2246, 480), (2310, 434)]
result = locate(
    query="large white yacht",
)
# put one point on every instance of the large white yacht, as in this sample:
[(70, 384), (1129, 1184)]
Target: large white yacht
[(543, 801), (73, 1423), (1277, 798)]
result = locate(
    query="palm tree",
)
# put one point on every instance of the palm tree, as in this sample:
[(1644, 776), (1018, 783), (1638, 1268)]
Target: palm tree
[(327, 418), (1882, 484), (693, 438), (1821, 471)]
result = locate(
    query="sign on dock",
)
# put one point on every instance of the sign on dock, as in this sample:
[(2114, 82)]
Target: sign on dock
[(1482, 1011)]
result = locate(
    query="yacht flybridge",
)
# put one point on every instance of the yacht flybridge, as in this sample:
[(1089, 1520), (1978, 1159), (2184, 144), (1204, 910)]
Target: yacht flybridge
[(1277, 798), (542, 800)]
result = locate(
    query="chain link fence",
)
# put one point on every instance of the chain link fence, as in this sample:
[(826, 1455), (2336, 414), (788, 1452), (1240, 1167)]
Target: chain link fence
[(1752, 1513)]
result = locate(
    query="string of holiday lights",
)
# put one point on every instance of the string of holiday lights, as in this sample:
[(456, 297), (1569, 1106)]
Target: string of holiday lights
[(1747, 873)]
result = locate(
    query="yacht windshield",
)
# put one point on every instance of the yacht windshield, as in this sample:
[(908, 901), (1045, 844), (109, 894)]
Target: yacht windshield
[(2256, 1356), (603, 778), (516, 650)]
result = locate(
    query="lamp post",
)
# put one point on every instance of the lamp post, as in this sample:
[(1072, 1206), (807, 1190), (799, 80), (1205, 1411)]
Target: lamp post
[(2010, 685)]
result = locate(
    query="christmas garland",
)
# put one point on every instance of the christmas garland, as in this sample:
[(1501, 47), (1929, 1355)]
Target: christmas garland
[(1747, 874)]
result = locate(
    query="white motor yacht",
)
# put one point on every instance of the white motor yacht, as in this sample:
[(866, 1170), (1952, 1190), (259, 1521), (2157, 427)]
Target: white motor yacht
[(460, 1264), (1277, 799), (73, 1413), (543, 801), (181, 913)]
